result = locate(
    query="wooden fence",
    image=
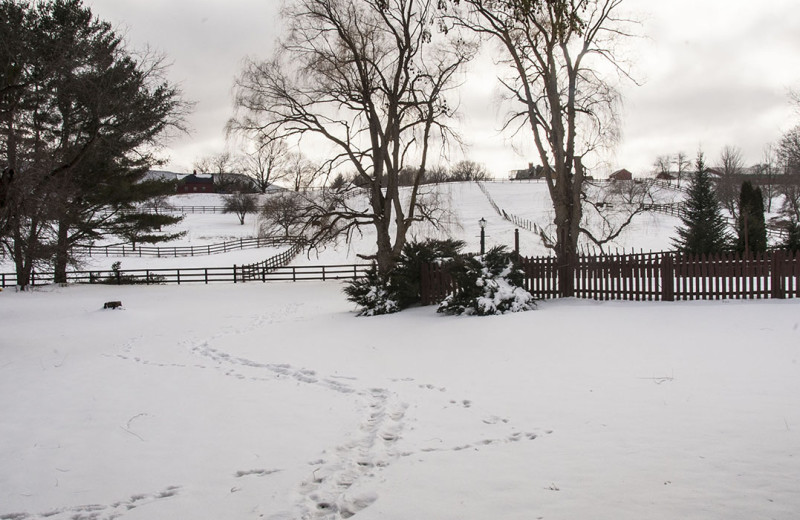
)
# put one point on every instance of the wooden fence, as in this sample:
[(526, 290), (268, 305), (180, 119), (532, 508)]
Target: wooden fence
[(129, 250), (651, 276), (204, 275)]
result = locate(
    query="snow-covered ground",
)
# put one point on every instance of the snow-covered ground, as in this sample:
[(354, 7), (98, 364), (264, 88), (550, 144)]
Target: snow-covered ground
[(273, 401)]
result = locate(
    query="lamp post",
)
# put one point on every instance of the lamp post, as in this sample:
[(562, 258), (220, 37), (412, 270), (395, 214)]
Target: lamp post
[(482, 222)]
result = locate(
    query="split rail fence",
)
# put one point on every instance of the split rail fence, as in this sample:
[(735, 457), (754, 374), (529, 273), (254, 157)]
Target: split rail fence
[(129, 250), (202, 275), (651, 276)]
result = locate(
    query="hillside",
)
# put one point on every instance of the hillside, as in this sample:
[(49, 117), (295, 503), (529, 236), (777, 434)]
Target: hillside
[(466, 204)]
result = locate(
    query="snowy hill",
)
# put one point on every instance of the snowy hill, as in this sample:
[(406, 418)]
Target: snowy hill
[(466, 205)]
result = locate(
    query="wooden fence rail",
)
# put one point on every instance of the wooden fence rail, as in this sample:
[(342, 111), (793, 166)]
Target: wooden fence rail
[(129, 250), (665, 276), (204, 275)]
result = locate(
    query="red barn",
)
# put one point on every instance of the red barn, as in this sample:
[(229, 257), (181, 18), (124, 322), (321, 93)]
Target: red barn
[(196, 184), (621, 175)]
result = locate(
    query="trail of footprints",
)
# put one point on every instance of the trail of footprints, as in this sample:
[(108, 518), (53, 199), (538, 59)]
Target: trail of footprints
[(336, 485), (330, 491), (97, 511)]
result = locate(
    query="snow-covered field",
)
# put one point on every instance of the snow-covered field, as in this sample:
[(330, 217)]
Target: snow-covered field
[(273, 401)]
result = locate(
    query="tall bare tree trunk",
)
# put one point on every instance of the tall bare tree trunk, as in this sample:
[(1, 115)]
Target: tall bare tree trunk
[(62, 253)]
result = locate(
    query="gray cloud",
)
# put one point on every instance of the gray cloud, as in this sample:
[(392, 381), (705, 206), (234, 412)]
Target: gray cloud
[(715, 72)]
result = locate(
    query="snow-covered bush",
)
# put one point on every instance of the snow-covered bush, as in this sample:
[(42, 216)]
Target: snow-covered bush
[(488, 284), (406, 278), (372, 294), (401, 288)]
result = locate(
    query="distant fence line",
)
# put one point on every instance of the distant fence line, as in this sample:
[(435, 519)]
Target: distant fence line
[(664, 276), (129, 250), (260, 270), (675, 209), (256, 271), (202, 275)]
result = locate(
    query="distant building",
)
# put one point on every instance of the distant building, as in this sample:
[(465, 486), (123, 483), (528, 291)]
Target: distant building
[(196, 183), (665, 176), (531, 172), (621, 175)]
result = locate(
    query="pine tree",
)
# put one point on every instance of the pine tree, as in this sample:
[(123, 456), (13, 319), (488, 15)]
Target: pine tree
[(703, 228), (751, 224), (792, 241), (81, 121)]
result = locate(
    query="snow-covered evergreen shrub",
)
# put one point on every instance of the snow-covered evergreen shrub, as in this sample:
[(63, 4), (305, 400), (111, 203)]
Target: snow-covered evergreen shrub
[(406, 278), (401, 288), (372, 294), (491, 284)]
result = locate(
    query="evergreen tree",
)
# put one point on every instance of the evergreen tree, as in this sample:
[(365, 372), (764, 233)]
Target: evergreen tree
[(751, 224), (81, 118), (703, 228), (792, 242)]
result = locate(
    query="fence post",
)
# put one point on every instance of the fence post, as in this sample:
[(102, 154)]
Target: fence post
[(516, 241), (179, 276), (234, 273), (424, 284), (205, 273), (323, 273), (776, 275), (667, 279)]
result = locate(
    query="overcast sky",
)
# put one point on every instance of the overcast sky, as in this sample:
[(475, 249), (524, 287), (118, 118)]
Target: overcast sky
[(712, 73)]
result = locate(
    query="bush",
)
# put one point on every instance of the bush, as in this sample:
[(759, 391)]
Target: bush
[(405, 279), (117, 278), (372, 294), (401, 288), (488, 284)]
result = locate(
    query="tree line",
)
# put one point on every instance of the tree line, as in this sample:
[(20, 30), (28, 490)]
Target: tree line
[(81, 120)]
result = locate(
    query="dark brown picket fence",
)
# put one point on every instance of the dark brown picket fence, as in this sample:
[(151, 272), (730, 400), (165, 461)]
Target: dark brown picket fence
[(665, 276)]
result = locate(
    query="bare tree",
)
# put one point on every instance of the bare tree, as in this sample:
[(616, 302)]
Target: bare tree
[(283, 213), (299, 172), (768, 170), (468, 171), (368, 78), (662, 165), (682, 165), (240, 204), (789, 151), (222, 162), (436, 174), (610, 208), (730, 168), (789, 160), (265, 164), (555, 52)]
